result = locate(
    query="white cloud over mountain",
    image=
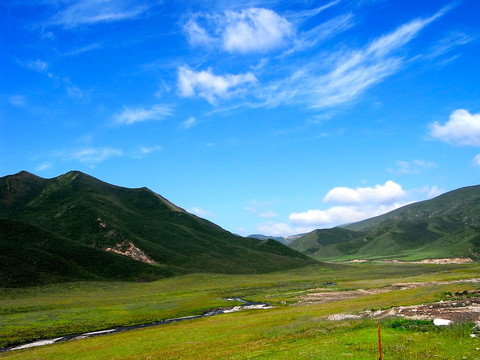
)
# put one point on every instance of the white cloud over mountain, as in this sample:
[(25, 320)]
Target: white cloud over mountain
[(462, 128), (351, 205), (379, 194)]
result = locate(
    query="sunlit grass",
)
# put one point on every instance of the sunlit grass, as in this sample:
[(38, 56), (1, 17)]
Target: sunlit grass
[(289, 331)]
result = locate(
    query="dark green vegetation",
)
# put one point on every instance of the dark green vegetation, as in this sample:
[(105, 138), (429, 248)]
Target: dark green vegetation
[(444, 227), (75, 227), (293, 329)]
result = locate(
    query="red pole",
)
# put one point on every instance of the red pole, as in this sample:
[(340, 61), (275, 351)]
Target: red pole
[(379, 343)]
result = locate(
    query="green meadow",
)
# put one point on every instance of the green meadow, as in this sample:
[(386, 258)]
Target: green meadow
[(290, 330)]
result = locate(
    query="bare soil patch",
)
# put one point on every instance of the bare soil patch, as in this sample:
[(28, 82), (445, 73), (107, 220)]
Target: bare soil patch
[(323, 295)]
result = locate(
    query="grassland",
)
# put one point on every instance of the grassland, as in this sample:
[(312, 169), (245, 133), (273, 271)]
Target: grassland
[(291, 330)]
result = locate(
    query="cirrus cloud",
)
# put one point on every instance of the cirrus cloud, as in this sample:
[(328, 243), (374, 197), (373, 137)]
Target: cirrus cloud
[(130, 116), (80, 12)]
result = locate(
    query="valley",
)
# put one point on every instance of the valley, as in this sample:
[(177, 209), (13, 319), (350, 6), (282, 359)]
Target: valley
[(296, 326), (87, 260)]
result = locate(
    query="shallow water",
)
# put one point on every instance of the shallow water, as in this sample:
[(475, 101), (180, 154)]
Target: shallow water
[(248, 305)]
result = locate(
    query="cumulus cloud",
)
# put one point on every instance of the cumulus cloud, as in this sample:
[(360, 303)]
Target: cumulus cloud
[(250, 30), (338, 215), (130, 116), (379, 194), (211, 87), (462, 128), (254, 30), (351, 205)]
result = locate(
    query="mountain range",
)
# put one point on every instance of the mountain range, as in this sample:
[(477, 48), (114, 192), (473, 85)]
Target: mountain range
[(76, 227), (443, 227)]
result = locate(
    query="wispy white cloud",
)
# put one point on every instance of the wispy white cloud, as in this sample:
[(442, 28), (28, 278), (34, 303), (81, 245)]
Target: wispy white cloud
[(83, 49), (262, 208), (411, 167), (354, 71), (44, 166), (298, 17), (92, 155), (476, 160), (462, 128), (72, 90), (329, 80), (268, 215), (211, 87), (35, 65), (90, 12), (201, 212), (131, 116), (275, 229), (310, 38), (144, 150), (17, 100), (196, 34), (189, 123), (449, 43)]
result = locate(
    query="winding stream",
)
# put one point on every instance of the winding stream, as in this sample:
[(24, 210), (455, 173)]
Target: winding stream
[(246, 306)]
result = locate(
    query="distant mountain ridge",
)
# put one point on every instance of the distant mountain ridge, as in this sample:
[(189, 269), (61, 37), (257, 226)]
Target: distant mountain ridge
[(443, 227), (282, 239), (95, 230)]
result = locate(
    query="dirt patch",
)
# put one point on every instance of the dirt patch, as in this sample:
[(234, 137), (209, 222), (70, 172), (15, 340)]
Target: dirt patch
[(444, 261), (130, 250), (323, 295), (457, 311)]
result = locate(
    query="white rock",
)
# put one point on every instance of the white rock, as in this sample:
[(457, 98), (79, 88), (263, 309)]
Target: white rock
[(442, 322)]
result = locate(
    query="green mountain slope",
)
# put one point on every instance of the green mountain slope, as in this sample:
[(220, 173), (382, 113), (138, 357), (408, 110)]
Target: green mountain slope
[(443, 227), (77, 211)]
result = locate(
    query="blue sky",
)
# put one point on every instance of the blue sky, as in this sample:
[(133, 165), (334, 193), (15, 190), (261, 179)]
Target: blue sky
[(268, 117)]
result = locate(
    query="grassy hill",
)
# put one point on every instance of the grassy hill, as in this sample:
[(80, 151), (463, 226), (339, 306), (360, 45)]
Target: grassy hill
[(98, 230), (443, 227)]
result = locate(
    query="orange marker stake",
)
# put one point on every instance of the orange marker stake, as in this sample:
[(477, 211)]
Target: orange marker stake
[(379, 344)]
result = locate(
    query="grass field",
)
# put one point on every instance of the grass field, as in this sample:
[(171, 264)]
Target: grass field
[(291, 330)]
